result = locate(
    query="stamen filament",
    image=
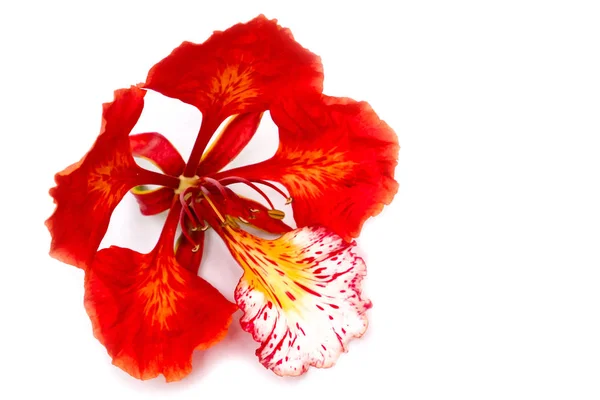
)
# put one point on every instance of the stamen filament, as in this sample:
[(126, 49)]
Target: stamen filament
[(288, 199), (200, 220), (231, 180), (184, 230), (212, 205), (187, 210), (217, 185)]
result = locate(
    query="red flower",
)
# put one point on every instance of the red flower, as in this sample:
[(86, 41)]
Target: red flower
[(300, 293)]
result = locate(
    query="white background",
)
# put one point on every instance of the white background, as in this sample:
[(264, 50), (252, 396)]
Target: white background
[(484, 272)]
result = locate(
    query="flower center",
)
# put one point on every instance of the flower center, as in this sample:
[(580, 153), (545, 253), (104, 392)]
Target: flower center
[(209, 202), (186, 183)]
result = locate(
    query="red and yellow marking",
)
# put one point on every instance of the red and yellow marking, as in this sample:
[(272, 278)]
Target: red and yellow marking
[(232, 85), (309, 171)]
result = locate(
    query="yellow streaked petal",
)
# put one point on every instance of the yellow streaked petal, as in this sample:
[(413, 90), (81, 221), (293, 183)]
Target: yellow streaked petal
[(301, 296)]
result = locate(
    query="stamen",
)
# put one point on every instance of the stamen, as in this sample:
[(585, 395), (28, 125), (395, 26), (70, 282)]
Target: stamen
[(202, 228), (236, 199), (184, 230), (236, 179), (187, 210), (217, 185), (212, 205), (200, 223), (276, 214), (288, 199), (196, 248)]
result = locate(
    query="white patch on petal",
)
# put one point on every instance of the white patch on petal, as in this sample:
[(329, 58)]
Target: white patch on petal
[(301, 296)]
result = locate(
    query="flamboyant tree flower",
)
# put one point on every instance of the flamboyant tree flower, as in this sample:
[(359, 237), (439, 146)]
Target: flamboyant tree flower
[(300, 293)]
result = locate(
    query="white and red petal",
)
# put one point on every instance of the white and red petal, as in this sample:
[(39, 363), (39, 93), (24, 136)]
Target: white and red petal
[(301, 296)]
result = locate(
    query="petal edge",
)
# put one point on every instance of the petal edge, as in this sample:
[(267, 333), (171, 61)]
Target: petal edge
[(301, 297), (337, 160), (88, 191), (238, 70), (150, 313)]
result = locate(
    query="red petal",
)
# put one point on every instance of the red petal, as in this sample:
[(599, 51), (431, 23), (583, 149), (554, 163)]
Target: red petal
[(88, 191), (189, 255), (157, 149), (337, 160), (153, 201), (230, 142), (150, 313), (239, 70)]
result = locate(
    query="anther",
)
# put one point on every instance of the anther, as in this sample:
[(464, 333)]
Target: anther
[(276, 214), (184, 229), (196, 248), (201, 228)]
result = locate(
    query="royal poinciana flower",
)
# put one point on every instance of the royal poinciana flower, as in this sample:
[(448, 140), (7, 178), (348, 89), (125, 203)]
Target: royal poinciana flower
[(300, 293)]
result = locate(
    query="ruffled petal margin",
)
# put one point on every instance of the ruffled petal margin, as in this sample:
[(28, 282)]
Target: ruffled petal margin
[(239, 70), (87, 192), (150, 313), (337, 160), (301, 296)]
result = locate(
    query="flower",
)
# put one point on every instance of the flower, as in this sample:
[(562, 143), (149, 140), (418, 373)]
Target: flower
[(300, 293)]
